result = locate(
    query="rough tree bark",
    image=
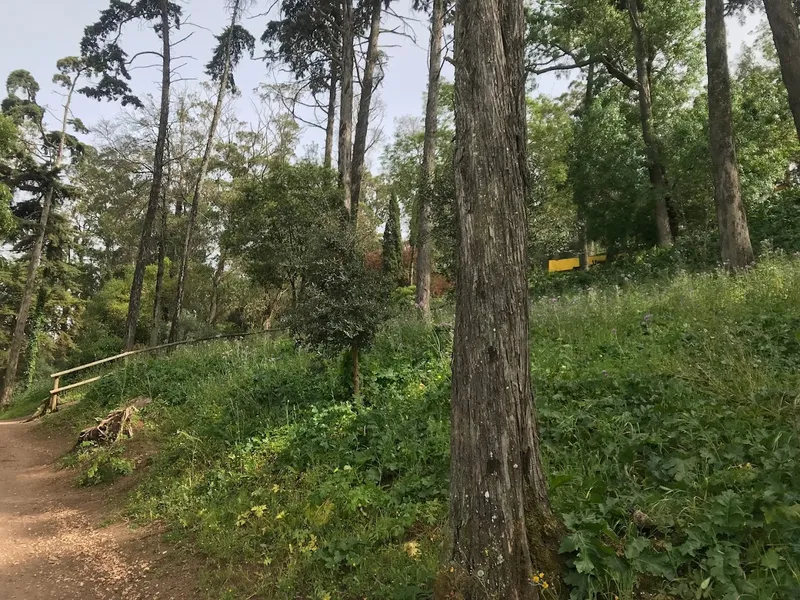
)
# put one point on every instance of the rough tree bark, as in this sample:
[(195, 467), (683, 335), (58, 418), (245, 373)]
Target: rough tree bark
[(501, 524), (345, 158), (330, 129), (18, 337), (786, 35), (135, 302), (422, 278), (737, 251), (364, 103), (180, 285), (655, 164)]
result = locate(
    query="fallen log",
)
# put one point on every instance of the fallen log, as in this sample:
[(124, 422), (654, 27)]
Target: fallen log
[(114, 425)]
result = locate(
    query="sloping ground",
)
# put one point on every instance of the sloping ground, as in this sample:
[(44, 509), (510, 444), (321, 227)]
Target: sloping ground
[(669, 417), (52, 540)]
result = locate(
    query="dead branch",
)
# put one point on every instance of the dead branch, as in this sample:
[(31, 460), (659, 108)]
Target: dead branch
[(116, 423)]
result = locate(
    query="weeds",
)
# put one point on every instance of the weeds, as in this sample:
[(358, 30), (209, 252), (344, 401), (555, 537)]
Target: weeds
[(98, 464)]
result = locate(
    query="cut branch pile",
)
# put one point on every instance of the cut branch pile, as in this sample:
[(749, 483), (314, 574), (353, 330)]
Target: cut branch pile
[(116, 423)]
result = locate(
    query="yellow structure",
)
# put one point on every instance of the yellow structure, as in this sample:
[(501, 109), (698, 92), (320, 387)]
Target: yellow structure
[(572, 263)]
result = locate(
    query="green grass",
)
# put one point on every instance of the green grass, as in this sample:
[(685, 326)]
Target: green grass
[(26, 401), (677, 399)]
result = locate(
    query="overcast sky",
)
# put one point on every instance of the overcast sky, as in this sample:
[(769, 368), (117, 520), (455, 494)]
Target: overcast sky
[(36, 33)]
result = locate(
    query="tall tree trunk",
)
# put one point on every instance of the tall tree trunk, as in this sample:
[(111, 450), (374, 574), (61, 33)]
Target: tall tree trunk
[(422, 280), (35, 341), (733, 232), (655, 164), (578, 190), (216, 281), (155, 328), (180, 197), (364, 103), (346, 104), (500, 517), (18, 337), (201, 177), (330, 129), (786, 35), (135, 303)]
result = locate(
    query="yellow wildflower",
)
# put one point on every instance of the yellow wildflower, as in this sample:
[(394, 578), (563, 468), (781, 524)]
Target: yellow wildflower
[(545, 586), (411, 548), (535, 579)]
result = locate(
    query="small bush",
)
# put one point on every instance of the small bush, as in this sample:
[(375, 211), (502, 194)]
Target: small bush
[(99, 464)]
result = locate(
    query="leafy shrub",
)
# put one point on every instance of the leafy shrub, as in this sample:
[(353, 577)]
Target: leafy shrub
[(99, 464), (775, 224)]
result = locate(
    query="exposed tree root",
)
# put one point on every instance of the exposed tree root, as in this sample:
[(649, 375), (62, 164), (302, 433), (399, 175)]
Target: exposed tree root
[(116, 423)]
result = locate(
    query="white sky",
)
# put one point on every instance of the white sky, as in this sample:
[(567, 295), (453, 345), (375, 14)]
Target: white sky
[(36, 33)]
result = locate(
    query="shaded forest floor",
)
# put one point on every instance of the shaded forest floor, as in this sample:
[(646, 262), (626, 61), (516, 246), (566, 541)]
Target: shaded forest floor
[(61, 541)]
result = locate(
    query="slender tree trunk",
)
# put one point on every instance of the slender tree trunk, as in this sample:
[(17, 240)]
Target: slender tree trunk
[(18, 337), (364, 103), (135, 303), (502, 527), (411, 262), (213, 312), (201, 177), (422, 280), (786, 35), (584, 247), (180, 197), (733, 232), (655, 164), (330, 129), (35, 341), (346, 105), (578, 190), (155, 328)]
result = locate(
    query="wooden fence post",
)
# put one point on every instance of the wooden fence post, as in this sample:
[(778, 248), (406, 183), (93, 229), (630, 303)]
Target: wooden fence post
[(54, 395)]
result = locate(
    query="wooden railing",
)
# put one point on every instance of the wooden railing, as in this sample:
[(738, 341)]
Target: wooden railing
[(53, 404)]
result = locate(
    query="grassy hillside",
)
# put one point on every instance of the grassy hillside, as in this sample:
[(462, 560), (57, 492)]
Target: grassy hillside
[(669, 414)]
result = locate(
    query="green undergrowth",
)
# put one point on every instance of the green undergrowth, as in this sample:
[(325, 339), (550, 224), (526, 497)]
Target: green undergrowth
[(27, 400), (98, 464), (669, 415)]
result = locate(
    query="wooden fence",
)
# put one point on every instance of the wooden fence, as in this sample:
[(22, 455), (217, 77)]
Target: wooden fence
[(53, 403)]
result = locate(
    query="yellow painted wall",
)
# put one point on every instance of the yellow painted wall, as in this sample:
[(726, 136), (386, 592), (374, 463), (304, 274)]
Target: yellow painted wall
[(569, 264), (564, 264)]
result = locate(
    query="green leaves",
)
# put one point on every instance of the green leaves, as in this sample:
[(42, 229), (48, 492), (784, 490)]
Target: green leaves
[(102, 53), (233, 43), (771, 560)]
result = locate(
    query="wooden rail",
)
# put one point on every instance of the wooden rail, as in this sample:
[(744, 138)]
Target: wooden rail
[(57, 376)]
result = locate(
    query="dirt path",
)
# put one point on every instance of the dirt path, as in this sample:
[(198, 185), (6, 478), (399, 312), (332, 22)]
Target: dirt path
[(53, 544)]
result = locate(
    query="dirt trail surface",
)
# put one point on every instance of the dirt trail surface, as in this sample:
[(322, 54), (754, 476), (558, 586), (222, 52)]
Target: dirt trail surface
[(53, 542)]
